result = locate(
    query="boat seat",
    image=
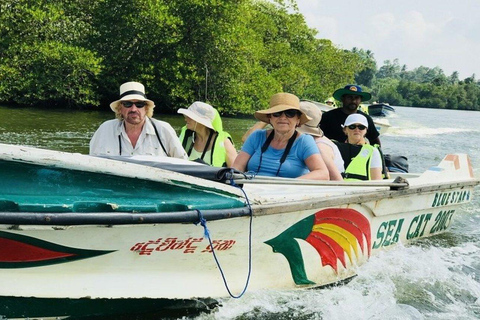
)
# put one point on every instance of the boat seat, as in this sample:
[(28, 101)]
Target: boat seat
[(8, 206), (90, 206), (172, 207)]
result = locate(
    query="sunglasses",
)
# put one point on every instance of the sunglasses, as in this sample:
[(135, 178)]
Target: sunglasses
[(288, 113), (355, 126), (138, 104)]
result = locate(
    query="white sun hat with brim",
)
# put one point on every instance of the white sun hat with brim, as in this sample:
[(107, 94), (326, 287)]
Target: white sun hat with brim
[(200, 112), (311, 127), (280, 102), (355, 118), (132, 91)]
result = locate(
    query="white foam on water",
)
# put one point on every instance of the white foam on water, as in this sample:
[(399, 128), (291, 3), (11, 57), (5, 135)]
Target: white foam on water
[(414, 282), (422, 132)]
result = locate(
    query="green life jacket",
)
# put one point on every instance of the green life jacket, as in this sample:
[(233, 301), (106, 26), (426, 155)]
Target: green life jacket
[(218, 152), (359, 167), (357, 161)]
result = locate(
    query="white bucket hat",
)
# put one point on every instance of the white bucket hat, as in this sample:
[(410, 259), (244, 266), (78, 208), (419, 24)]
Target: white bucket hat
[(355, 118), (200, 112), (311, 127), (132, 91)]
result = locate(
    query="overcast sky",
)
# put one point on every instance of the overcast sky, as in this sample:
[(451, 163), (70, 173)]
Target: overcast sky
[(418, 32)]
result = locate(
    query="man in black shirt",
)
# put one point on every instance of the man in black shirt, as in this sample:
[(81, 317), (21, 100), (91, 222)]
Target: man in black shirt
[(351, 96)]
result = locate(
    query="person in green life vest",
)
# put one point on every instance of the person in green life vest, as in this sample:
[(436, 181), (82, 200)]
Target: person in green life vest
[(362, 160), (330, 102), (203, 137)]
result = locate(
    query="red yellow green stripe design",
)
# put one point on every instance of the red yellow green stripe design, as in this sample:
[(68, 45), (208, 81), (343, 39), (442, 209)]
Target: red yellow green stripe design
[(335, 233)]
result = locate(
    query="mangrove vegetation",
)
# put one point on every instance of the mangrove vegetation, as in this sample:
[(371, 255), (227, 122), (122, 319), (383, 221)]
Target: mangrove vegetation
[(233, 54)]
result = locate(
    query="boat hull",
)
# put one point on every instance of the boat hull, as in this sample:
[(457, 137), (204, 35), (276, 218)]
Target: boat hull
[(174, 262), (69, 262), (59, 308)]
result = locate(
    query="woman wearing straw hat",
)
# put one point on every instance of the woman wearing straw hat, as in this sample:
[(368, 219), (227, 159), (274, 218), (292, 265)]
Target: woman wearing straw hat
[(135, 132), (328, 150), (282, 151), (203, 136)]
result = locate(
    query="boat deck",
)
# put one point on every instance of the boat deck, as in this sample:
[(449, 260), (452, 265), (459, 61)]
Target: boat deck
[(32, 188)]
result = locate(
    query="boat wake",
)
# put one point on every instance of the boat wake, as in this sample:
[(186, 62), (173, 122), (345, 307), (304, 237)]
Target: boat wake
[(422, 132), (408, 282)]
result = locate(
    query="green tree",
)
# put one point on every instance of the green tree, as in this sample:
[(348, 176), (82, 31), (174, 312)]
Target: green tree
[(389, 70), (42, 60), (366, 74)]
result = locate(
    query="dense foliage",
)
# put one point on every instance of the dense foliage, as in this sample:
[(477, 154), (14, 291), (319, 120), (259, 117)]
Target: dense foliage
[(233, 54), (424, 87)]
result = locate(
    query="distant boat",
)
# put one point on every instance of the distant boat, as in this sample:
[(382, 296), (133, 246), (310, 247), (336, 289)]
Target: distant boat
[(380, 109)]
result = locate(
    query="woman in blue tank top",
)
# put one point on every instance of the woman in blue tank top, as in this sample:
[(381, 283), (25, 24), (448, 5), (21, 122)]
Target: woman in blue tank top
[(282, 151)]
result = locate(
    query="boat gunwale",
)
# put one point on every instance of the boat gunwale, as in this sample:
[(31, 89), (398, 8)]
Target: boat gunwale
[(193, 216), (375, 195), (118, 218)]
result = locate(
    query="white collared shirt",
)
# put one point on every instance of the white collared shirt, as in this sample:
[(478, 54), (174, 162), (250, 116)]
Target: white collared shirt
[(106, 141)]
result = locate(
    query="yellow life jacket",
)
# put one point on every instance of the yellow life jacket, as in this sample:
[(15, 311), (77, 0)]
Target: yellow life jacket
[(357, 159), (218, 152), (359, 167)]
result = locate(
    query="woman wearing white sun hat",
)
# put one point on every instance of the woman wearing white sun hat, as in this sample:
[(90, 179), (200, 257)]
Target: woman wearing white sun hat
[(203, 137)]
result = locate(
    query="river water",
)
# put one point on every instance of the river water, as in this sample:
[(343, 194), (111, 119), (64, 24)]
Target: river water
[(434, 278)]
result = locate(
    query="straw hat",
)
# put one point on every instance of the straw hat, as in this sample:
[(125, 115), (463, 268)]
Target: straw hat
[(352, 89), (131, 91), (281, 102), (200, 112), (311, 127)]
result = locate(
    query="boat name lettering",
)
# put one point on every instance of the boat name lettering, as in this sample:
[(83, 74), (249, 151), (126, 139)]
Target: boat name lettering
[(418, 225), (452, 197), (187, 246), (388, 233), (442, 221)]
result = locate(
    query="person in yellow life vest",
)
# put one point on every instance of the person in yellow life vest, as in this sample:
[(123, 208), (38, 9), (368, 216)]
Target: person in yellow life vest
[(362, 160), (203, 137), (330, 102)]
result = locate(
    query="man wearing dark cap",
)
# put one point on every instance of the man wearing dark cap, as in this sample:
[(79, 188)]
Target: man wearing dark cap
[(332, 121)]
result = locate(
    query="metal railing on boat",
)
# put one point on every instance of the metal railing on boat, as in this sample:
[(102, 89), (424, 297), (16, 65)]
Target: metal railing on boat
[(398, 184)]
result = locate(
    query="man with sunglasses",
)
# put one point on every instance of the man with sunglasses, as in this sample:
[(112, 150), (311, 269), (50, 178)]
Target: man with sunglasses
[(134, 131), (351, 96)]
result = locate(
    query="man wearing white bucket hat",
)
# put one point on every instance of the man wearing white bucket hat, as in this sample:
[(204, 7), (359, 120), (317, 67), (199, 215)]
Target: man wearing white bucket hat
[(203, 136), (134, 131)]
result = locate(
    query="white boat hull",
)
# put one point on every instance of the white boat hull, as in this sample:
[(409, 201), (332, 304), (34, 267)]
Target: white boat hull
[(314, 237)]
